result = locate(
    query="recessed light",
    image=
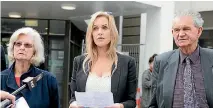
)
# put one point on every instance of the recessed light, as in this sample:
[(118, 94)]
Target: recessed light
[(68, 6), (14, 15)]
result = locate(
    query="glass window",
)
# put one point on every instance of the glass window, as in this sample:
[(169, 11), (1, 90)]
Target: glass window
[(56, 60), (55, 66), (206, 39), (11, 25), (57, 27), (56, 44)]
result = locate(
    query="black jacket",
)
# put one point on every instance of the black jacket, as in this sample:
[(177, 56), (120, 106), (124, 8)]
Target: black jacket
[(3, 60), (123, 80)]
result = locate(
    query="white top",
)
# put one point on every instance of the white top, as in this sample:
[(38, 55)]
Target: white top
[(98, 84)]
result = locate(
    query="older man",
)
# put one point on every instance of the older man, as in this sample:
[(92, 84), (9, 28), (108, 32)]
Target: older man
[(184, 77)]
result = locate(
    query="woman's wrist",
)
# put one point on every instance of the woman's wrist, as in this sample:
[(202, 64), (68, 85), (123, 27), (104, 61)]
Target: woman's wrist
[(74, 103), (121, 105)]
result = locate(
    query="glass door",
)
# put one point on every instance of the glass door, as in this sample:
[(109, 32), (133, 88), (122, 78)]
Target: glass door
[(56, 60)]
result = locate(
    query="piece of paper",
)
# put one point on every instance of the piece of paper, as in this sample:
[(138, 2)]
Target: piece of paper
[(21, 103), (94, 99)]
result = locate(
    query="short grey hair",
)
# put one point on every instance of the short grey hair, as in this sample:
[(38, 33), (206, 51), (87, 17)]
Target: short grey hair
[(196, 16), (37, 43)]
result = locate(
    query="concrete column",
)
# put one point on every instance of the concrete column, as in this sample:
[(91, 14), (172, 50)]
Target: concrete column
[(167, 15), (143, 26), (120, 30), (157, 36)]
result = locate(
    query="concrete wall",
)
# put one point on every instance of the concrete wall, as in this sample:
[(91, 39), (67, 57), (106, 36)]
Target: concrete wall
[(208, 19), (195, 5), (204, 7), (157, 36), (131, 30)]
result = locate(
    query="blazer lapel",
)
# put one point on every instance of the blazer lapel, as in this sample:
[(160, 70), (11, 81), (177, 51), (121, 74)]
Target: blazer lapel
[(169, 81), (207, 67), (82, 78), (115, 78)]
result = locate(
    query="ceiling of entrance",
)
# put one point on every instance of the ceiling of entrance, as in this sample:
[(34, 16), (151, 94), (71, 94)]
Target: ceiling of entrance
[(53, 10)]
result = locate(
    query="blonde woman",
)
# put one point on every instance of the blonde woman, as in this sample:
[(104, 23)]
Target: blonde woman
[(102, 68), (25, 51)]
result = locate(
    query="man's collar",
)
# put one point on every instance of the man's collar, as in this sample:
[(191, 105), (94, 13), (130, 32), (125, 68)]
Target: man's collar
[(193, 57)]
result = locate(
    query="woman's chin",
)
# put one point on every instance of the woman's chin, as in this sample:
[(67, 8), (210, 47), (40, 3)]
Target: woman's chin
[(21, 59), (101, 45)]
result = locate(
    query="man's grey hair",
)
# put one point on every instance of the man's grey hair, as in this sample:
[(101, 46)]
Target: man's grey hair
[(196, 16)]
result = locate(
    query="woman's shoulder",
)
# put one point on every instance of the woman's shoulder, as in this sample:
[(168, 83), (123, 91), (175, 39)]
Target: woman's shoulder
[(5, 72), (49, 80), (80, 58), (4, 75), (46, 74), (124, 57)]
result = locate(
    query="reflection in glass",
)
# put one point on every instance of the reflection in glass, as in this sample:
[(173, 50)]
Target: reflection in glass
[(206, 39), (56, 44), (11, 25), (56, 61), (57, 27), (55, 66)]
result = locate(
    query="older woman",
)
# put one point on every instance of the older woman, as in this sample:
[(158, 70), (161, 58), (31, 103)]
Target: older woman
[(25, 51), (102, 69)]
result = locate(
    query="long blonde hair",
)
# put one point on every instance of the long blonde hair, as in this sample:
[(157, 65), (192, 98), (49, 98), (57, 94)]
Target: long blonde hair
[(91, 50)]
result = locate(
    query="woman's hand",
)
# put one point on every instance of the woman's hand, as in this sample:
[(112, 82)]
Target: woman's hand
[(6, 95), (116, 105), (75, 105)]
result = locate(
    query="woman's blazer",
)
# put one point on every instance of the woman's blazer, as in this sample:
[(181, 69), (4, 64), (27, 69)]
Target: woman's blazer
[(123, 79)]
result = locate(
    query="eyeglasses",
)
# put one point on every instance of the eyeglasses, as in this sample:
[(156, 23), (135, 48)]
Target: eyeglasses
[(26, 45)]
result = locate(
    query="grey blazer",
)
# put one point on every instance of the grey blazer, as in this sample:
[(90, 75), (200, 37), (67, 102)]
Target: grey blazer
[(146, 88), (165, 69), (123, 80)]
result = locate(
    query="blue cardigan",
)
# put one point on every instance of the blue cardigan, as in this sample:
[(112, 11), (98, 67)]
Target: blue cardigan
[(44, 95)]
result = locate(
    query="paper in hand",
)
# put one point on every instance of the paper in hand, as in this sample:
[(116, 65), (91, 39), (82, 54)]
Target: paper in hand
[(21, 103), (94, 99)]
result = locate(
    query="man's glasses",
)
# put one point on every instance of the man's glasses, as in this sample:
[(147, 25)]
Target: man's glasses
[(26, 45)]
